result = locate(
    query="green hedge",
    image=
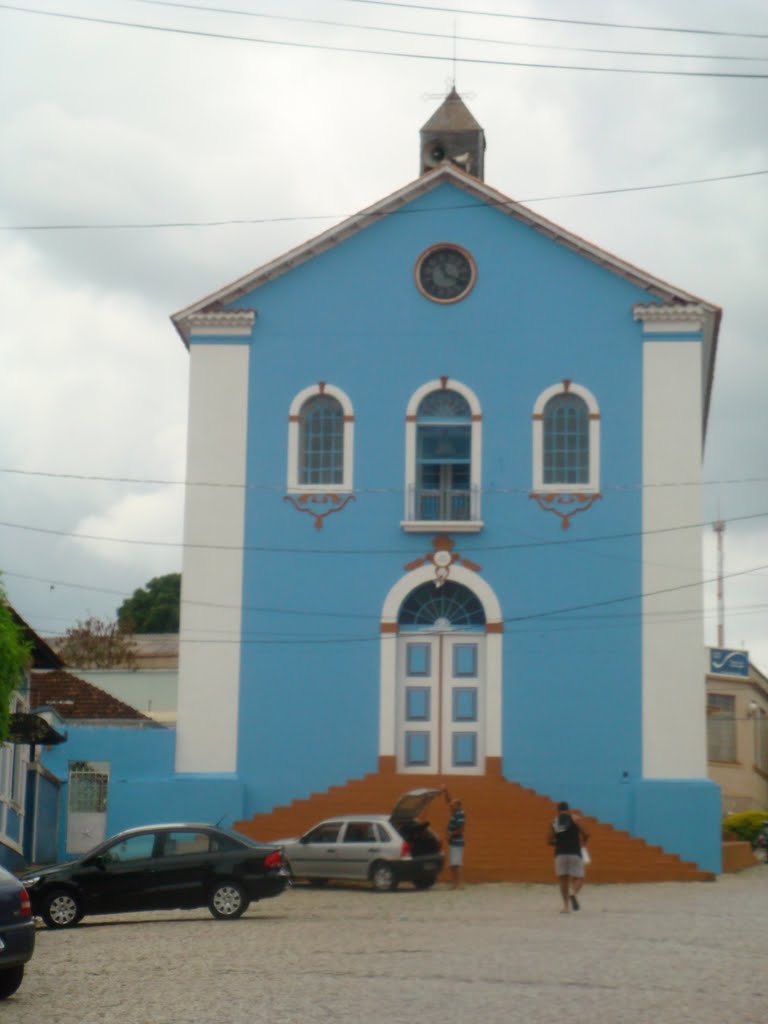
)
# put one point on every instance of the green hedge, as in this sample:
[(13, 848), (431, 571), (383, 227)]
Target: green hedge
[(746, 824)]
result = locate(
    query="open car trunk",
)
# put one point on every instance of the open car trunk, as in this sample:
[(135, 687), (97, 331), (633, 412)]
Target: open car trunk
[(405, 819)]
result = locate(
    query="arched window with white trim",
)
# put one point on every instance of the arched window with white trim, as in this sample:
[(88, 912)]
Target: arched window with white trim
[(566, 440), (320, 439), (443, 450)]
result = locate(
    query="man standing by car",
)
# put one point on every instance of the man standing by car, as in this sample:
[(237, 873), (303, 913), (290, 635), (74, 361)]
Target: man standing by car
[(567, 836), (455, 836)]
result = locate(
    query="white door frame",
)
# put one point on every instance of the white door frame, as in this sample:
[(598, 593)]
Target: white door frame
[(389, 646)]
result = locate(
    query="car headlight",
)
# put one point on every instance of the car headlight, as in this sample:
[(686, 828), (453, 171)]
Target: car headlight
[(30, 883)]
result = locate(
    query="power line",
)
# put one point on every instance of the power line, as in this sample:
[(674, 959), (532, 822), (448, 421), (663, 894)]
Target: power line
[(658, 616), (334, 552), (501, 204), (363, 51), (562, 21), (275, 639), (280, 488), (494, 41)]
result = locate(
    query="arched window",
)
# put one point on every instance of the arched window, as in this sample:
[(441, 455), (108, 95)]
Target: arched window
[(443, 458), (451, 606), (320, 428), (321, 441), (566, 440)]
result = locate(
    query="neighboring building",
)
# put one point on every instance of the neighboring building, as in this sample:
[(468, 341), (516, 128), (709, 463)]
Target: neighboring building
[(151, 691), (737, 730), (28, 791), (148, 683), (115, 764)]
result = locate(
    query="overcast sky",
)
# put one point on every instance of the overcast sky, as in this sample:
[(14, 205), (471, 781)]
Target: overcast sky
[(104, 124)]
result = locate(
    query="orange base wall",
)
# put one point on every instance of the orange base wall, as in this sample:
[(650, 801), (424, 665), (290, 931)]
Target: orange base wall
[(507, 826)]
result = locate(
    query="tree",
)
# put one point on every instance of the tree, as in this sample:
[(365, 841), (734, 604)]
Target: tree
[(15, 655), (154, 608), (97, 644)]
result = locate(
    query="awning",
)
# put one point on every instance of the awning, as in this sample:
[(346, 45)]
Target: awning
[(28, 728)]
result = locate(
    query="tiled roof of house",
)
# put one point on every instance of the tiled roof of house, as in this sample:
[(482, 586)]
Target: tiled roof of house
[(73, 698)]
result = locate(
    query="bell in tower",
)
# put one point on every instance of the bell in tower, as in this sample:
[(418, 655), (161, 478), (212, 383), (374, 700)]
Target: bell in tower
[(453, 134)]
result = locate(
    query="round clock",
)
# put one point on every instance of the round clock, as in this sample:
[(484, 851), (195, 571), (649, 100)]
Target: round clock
[(445, 273)]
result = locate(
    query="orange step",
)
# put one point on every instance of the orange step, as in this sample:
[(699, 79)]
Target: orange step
[(507, 826)]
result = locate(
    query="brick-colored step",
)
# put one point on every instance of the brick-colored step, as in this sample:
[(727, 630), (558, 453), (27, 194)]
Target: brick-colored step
[(507, 826)]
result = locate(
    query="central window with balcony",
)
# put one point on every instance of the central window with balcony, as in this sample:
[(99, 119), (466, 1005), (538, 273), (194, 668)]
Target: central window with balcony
[(442, 457)]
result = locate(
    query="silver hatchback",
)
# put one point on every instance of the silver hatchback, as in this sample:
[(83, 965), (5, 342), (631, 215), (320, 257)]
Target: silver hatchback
[(377, 848)]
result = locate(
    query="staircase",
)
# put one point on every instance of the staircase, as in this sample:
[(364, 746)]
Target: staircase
[(506, 832)]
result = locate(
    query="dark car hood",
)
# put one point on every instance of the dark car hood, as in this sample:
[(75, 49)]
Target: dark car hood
[(49, 872)]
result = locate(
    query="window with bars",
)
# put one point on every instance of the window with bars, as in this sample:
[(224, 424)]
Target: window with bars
[(321, 441), (566, 440), (721, 727)]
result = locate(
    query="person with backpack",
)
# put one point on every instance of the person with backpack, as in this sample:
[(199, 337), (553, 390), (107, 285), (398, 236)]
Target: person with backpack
[(568, 837)]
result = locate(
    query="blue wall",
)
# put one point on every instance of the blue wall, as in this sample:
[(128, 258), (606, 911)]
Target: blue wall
[(351, 316), (143, 788)]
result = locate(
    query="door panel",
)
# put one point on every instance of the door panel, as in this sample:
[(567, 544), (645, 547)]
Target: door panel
[(358, 848), (315, 855), (440, 702)]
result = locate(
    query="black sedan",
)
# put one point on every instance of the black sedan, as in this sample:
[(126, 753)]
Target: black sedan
[(17, 933), (159, 867)]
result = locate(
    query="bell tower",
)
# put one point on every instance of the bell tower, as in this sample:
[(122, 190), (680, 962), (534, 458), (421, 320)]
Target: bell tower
[(453, 134)]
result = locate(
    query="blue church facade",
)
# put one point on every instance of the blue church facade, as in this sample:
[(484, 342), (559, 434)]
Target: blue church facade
[(434, 519)]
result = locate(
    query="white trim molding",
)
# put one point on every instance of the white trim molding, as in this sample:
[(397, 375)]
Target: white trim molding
[(388, 657), (474, 524), (592, 484), (294, 424), (658, 319), (236, 323)]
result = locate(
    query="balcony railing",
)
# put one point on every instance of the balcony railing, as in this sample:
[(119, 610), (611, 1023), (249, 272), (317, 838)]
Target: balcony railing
[(448, 505)]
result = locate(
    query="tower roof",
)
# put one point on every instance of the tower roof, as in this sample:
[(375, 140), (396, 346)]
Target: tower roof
[(452, 115)]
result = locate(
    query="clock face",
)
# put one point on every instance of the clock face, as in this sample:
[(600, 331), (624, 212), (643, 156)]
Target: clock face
[(445, 273)]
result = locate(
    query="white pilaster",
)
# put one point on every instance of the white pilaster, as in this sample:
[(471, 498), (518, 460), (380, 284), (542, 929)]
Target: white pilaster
[(674, 719), (212, 574)]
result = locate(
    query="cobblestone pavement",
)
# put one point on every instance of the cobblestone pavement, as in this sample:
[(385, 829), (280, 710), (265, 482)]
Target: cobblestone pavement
[(661, 954)]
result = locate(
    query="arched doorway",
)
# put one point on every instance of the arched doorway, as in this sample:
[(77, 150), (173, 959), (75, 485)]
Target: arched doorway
[(441, 681)]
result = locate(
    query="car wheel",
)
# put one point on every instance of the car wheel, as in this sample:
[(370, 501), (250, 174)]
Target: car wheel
[(228, 901), (61, 909), (425, 882), (10, 979), (383, 877)]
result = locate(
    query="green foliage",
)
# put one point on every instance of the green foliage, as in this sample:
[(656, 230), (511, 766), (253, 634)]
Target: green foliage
[(745, 824), (154, 608), (15, 654), (97, 644)]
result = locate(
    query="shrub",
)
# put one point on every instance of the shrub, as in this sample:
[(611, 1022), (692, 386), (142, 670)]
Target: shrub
[(746, 824)]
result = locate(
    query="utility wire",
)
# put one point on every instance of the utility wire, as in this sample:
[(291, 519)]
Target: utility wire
[(661, 617), (529, 617), (561, 21), (501, 204), (399, 552), (280, 488), (493, 41), (363, 51)]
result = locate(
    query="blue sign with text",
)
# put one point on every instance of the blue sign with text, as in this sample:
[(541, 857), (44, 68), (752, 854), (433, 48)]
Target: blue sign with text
[(728, 663)]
